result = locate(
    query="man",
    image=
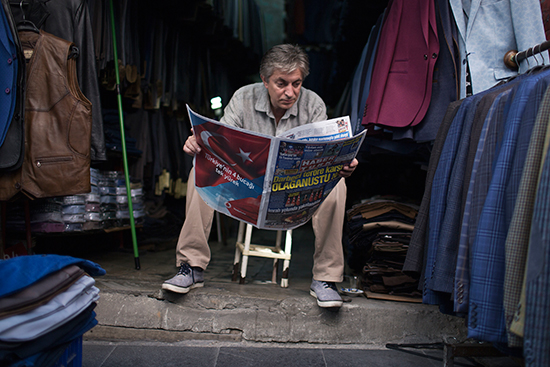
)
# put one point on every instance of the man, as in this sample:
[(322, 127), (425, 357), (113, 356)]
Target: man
[(277, 104)]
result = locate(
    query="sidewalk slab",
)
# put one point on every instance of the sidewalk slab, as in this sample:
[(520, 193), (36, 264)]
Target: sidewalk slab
[(132, 305)]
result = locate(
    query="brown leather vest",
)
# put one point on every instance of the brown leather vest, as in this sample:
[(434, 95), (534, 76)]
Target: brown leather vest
[(58, 120)]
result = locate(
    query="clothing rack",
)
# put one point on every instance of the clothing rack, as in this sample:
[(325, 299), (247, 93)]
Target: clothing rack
[(513, 58)]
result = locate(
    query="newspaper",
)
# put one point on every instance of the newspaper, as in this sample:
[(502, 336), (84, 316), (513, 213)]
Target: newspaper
[(271, 182)]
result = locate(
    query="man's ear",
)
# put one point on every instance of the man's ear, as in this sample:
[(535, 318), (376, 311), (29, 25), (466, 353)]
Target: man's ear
[(266, 81)]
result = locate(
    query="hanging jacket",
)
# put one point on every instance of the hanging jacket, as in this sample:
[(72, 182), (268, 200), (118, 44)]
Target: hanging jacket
[(408, 48), (8, 73), (489, 29), (13, 84), (70, 20), (58, 122)]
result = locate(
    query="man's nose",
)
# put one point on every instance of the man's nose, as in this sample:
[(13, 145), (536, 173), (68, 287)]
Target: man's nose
[(289, 91)]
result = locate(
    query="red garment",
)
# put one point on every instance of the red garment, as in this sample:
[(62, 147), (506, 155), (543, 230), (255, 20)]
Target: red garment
[(408, 48)]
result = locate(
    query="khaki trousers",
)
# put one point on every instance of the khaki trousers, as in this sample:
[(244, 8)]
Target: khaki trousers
[(327, 223)]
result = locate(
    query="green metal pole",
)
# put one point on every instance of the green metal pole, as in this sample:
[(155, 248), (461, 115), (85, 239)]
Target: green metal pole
[(124, 155)]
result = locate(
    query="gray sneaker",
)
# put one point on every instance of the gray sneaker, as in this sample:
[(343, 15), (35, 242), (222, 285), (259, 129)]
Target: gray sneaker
[(186, 279), (326, 294)]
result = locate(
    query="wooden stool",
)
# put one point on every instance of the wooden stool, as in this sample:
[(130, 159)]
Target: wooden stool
[(246, 249)]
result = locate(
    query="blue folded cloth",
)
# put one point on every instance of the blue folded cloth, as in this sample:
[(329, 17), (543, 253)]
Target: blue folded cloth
[(22, 271)]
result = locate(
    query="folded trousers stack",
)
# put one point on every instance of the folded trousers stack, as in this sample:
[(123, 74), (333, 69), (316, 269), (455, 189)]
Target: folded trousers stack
[(379, 233)]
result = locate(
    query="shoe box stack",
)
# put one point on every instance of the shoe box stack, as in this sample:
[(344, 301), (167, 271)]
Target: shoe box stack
[(46, 304)]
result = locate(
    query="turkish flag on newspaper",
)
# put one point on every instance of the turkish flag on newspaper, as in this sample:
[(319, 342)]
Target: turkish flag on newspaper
[(241, 152)]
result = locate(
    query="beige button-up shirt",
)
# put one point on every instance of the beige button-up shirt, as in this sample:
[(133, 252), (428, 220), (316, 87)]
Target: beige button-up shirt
[(250, 109)]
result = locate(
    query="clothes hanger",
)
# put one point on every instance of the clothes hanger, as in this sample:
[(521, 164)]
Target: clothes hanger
[(25, 24), (538, 67), (541, 50), (535, 55), (541, 54), (516, 61)]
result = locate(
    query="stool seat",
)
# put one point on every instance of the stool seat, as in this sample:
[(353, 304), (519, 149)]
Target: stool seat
[(244, 248)]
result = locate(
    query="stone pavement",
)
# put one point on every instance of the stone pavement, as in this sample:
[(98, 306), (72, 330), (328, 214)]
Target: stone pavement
[(216, 323), (225, 354)]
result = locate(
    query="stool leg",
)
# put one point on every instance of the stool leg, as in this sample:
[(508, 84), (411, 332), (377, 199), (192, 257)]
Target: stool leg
[(219, 226), (244, 262), (236, 261), (286, 263), (275, 268), (236, 265), (240, 233), (276, 261)]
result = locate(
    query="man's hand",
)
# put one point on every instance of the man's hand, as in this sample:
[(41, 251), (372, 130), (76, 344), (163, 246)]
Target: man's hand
[(349, 168), (191, 146)]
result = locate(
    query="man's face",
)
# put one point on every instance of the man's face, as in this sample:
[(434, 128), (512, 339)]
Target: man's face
[(283, 88)]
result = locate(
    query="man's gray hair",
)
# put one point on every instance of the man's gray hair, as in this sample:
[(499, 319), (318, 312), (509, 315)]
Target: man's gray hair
[(286, 58)]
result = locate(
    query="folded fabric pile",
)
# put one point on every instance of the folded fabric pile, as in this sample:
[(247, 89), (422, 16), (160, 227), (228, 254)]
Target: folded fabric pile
[(383, 270), (46, 216), (105, 206), (46, 303), (113, 199), (379, 235)]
